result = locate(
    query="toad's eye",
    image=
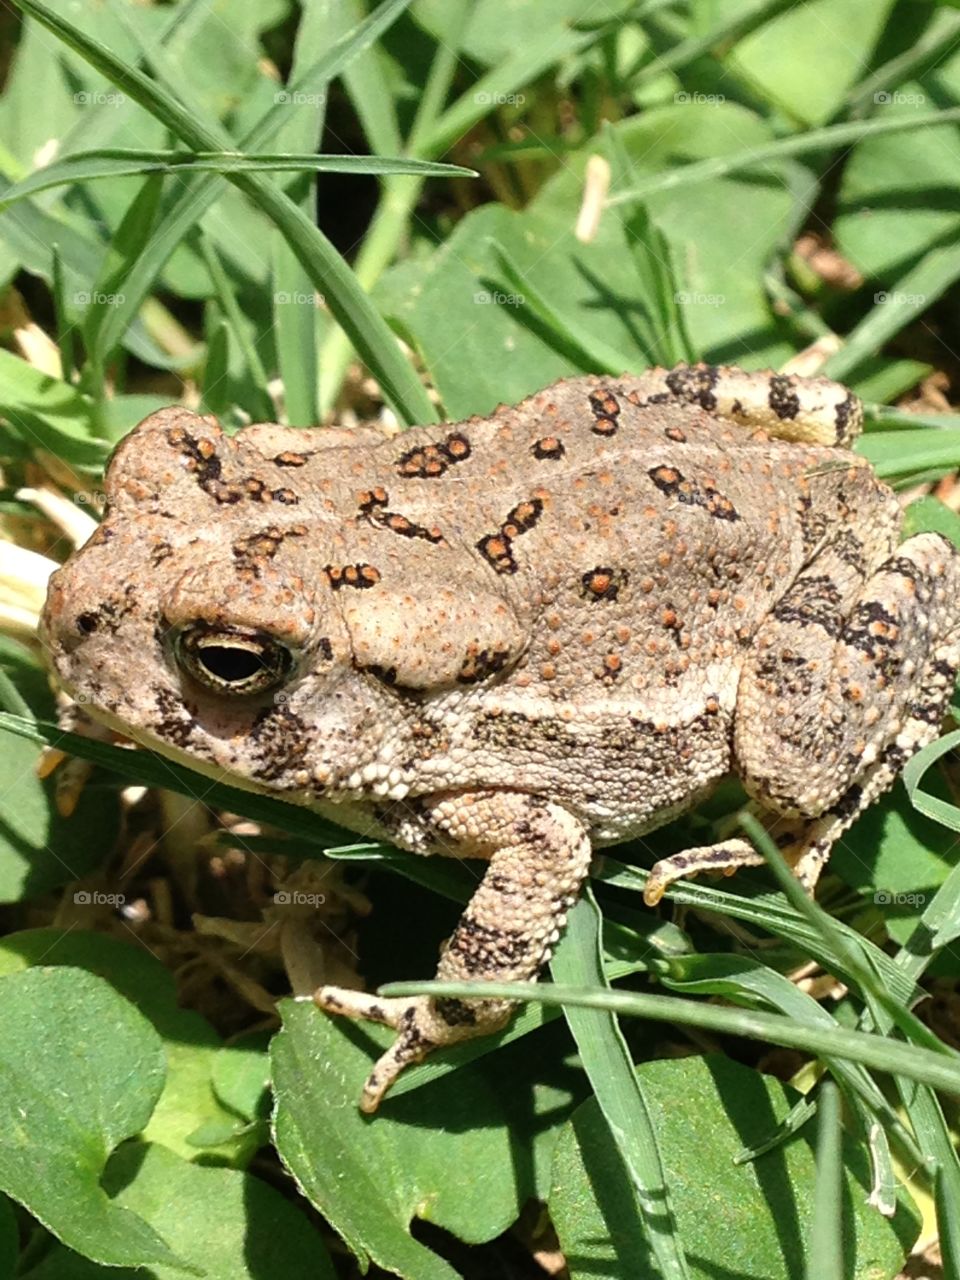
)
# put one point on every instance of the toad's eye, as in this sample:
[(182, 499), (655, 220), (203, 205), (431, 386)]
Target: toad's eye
[(232, 661)]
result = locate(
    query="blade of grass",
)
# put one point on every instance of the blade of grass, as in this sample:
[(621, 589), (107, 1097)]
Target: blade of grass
[(896, 307), (825, 139), (214, 397), (65, 334), (825, 1255), (611, 1072), (397, 198), (119, 162), (259, 403), (899, 453), (297, 329), (880, 1053), (134, 231), (850, 947), (771, 912), (948, 815)]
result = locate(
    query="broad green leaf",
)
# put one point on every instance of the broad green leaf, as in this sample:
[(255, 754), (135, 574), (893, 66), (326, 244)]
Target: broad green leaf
[(735, 1220), (227, 1225), (498, 29), (39, 848), (241, 1075), (464, 1152), (933, 516), (80, 1072), (804, 60), (897, 196), (48, 414), (898, 859), (190, 1044), (485, 342)]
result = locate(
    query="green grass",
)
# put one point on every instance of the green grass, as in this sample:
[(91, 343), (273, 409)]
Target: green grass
[(179, 184)]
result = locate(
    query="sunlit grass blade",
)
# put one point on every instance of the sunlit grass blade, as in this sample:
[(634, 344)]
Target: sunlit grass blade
[(108, 289), (119, 162), (613, 1077), (826, 139), (880, 1053), (66, 337), (904, 453), (948, 815), (912, 294), (771, 912), (850, 948), (825, 1255), (257, 401)]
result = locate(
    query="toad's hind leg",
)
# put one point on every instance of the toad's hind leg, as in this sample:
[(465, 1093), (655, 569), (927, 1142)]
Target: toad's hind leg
[(829, 710), (538, 857)]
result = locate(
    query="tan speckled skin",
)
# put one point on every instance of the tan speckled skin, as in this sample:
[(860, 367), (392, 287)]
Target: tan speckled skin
[(520, 635)]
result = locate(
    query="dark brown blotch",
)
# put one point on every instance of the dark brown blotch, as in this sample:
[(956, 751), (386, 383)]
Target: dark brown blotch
[(606, 410), (603, 583), (430, 461), (359, 576), (498, 553), (481, 663), (548, 448)]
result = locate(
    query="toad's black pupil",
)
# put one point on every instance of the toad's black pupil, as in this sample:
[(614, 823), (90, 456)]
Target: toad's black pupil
[(230, 664)]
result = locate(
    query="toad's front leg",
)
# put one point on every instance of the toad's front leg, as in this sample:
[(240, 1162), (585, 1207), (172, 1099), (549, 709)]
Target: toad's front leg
[(538, 857)]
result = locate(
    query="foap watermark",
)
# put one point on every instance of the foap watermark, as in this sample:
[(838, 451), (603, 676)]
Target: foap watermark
[(297, 898), (99, 98), (295, 98), (900, 299), (298, 299), (500, 99), (97, 298), (887, 898), (684, 99), (898, 99), (497, 299), (88, 498), (694, 299), (94, 898)]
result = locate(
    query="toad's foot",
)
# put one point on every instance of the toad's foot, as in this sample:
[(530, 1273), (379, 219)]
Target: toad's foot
[(725, 857), (538, 856), (423, 1024)]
